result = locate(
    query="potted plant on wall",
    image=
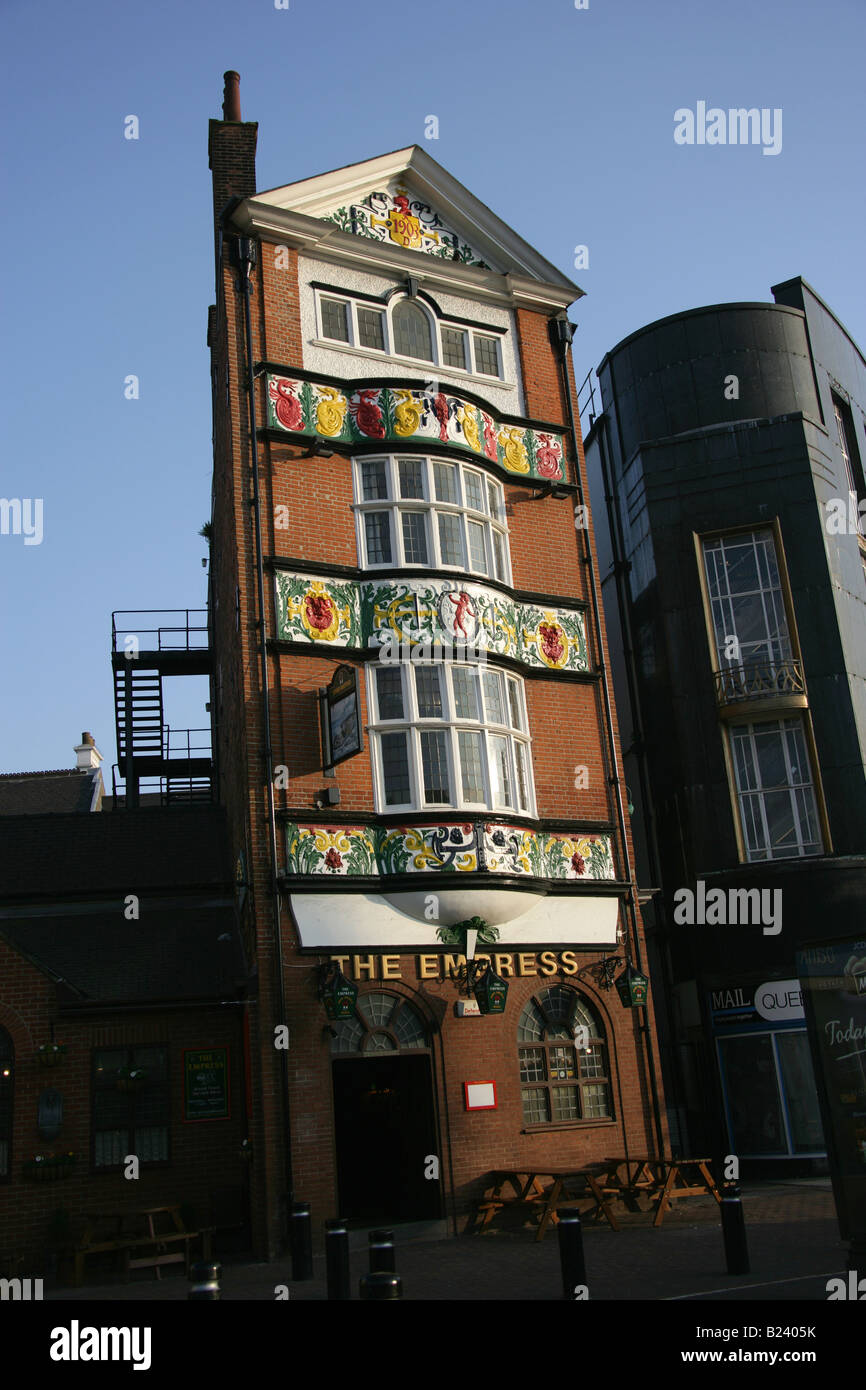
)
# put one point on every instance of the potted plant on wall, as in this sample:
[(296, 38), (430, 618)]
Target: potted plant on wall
[(51, 1054)]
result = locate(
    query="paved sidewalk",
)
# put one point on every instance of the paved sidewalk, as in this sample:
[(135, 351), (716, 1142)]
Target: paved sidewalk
[(793, 1239)]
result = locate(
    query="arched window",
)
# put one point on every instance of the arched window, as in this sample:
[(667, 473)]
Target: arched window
[(7, 1075), (382, 1023), (560, 1082), (412, 336)]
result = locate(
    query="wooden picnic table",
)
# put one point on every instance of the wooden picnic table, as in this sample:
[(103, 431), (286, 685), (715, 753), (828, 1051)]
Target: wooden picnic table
[(148, 1232), (663, 1180), (530, 1191)]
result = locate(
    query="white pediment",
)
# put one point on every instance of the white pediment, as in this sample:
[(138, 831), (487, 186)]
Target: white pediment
[(406, 200)]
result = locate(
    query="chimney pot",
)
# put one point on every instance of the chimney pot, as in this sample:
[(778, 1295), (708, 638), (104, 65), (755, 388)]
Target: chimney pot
[(231, 96)]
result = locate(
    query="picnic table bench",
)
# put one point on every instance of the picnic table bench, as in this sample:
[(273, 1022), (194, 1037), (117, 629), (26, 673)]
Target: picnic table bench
[(628, 1180), (141, 1238)]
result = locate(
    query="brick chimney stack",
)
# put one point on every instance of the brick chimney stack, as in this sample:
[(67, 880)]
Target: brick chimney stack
[(232, 149)]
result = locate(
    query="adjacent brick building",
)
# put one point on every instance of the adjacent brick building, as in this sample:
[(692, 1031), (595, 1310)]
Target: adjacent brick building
[(399, 520)]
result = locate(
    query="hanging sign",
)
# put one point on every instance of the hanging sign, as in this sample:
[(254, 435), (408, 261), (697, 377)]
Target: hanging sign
[(342, 708)]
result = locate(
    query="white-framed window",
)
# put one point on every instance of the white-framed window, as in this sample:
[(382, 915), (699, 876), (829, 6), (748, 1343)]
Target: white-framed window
[(775, 792), (430, 512), (449, 735), (408, 329)]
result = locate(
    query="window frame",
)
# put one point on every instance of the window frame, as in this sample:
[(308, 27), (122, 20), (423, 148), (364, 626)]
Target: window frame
[(492, 518), (471, 333), (413, 724), (102, 1084), (578, 1081), (742, 795)]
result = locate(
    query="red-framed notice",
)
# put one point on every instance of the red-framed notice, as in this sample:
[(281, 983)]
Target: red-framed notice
[(480, 1095), (206, 1083)]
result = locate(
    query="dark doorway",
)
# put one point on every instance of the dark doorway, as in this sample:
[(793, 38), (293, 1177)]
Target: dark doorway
[(385, 1133)]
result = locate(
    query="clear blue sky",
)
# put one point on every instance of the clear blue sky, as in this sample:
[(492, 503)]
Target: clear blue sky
[(560, 119)]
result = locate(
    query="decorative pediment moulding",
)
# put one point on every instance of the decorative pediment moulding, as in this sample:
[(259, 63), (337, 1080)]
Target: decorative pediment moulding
[(373, 415), (466, 846), (435, 619)]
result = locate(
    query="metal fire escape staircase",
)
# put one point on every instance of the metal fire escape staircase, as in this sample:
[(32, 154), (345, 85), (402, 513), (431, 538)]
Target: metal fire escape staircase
[(152, 758)]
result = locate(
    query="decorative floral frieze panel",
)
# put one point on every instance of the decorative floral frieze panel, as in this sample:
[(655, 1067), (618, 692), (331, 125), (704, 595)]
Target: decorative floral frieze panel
[(465, 847), (395, 216), (438, 614), (388, 414)]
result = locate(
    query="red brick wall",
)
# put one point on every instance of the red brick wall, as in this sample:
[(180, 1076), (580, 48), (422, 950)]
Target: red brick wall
[(203, 1155)]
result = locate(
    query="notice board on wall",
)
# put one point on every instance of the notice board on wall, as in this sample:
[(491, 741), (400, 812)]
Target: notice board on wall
[(206, 1083)]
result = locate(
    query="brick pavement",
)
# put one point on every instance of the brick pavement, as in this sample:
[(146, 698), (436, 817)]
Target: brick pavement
[(793, 1238)]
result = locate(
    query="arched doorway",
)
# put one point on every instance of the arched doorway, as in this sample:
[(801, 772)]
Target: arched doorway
[(384, 1113)]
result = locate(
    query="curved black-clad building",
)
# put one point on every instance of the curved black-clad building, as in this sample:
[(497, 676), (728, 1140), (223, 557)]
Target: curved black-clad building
[(726, 469)]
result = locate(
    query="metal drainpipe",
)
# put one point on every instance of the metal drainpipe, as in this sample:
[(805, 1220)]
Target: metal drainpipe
[(246, 260), (562, 340)]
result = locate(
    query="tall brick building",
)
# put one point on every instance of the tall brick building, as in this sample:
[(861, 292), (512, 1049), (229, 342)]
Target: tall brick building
[(415, 740)]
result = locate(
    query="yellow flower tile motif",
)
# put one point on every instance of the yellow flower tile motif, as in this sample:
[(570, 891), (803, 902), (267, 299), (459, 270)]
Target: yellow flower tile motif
[(407, 413), (514, 450)]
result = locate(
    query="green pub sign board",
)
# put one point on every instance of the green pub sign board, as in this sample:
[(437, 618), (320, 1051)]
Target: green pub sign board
[(206, 1083)]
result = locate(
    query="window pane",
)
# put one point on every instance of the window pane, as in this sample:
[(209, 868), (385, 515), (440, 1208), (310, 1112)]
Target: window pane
[(395, 768), (414, 538), (752, 1093), (450, 539), (514, 704), (592, 1061), (798, 1080), (378, 529), (501, 772), (562, 1064), (411, 478), (531, 1025), (486, 356), (151, 1143), (371, 330), (474, 491), (522, 777), (477, 552), (499, 557), (335, 320), (412, 332), (596, 1102), (374, 480), (493, 697), (445, 477), (494, 500), (428, 692), (565, 1105), (471, 765), (434, 758), (465, 692), (377, 1008), (389, 689), (532, 1066), (454, 347), (535, 1107)]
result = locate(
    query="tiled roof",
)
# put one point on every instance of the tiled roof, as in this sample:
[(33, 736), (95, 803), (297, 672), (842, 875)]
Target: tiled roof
[(114, 852), (168, 954), (35, 793)]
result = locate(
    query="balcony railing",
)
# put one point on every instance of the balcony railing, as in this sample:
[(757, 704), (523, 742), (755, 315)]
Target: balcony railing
[(760, 680)]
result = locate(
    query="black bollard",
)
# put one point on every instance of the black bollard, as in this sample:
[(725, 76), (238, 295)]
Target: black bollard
[(734, 1230), (204, 1280), (301, 1240), (380, 1285), (337, 1258), (382, 1252), (571, 1253)]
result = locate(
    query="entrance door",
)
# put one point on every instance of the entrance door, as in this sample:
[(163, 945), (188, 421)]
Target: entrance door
[(384, 1113)]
